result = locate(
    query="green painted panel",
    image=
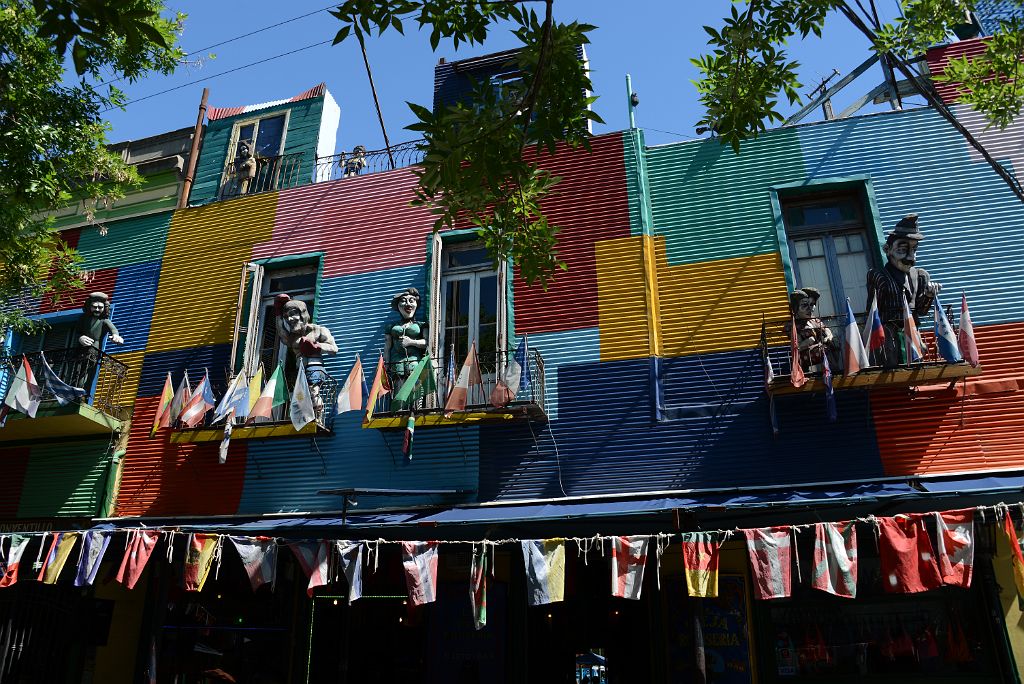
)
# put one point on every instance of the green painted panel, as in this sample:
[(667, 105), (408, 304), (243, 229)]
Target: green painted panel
[(65, 479), (158, 191), (637, 176), (711, 203), (131, 241)]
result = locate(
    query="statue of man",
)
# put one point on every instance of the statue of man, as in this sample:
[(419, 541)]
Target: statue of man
[(95, 322), (308, 340), (245, 167), (900, 283), (404, 340), (813, 337)]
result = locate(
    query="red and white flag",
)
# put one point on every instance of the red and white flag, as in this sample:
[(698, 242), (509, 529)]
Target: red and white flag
[(468, 377), (835, 559), (906, 555), (419, 560), (9, 566), (629, 556), (855, 356), (771, 560), (797, 378), (965, 337), (140, 547), (955, 537), (198, 404), (350, 398), (24, 393), (313, 556), (259, 558)]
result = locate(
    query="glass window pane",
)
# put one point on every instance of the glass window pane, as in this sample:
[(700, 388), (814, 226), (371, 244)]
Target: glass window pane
[(817, 247), (853, 270), (246, 132), (802, 250), (292, 283), (488, 315), (856, 242), (459, 258), (268, 139), (842, 247), (814, 273), (456, 323), (795, 216)]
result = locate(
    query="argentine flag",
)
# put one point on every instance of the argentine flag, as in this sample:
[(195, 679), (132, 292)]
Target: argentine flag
[(945, 339)]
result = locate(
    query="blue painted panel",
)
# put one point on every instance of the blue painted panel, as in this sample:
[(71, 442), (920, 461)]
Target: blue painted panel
[(196, 360), (560, 348), (133, 297)]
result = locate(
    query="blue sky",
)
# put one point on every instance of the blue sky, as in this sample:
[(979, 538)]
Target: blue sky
[(653, 40)]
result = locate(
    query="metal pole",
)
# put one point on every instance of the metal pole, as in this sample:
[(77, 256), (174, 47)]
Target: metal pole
[(629, 101), (193, 154), (373, 89)]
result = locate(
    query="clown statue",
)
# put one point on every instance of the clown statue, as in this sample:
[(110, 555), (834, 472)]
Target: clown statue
[(307, 340), (404, 340), (813, 336)]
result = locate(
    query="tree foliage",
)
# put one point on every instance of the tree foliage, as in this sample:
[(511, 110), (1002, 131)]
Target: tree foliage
[(52, 136)]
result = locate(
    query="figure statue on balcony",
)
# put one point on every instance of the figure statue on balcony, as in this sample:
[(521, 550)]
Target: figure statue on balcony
[(308, 340), (355, 163), (404, 340), (95, 322), (900, 285), (813, 337), (245, 167)]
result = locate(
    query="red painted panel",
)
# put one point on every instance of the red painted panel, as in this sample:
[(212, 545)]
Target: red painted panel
[(969, 428), (15, 460), (160, 478), (938, 58), (589, 204), (102, 280)]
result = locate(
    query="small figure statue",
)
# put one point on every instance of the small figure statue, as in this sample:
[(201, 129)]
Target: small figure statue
[(245, 167), (405, 340), (92, 326), (813, 337), (355, 163), (898, 283), (308, 340)]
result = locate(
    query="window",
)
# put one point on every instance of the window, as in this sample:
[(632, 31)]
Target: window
[(55, 336), (259, 169), (264, 135), (471, 303), (829, 249)]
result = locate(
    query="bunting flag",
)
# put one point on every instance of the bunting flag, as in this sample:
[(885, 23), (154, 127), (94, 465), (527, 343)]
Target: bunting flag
[(906, 556), (24, 394), (874, 331), (507, 386), (381, 386), (771, 561), (313, 556), (140, 547), (410, 431), (9, 567), (61, 544), (301, 409), (835, 559), (202, 550), (351, 554), (259, 558), (700, 561), (797, 378), (419, 383), (162, 418), (449, 382), (419, 560), (255, 387), (965, 336), (629, 556), (235, 401), (199, 403), (94, 547), (830, 393), (181, 397), (469, 376), (61, 391), (545, 570), (955, 538), (945, 338), (912, 338), (350, 398), (478, 571), (273, 395), (855, 355), (1016, 555), (225, 441)]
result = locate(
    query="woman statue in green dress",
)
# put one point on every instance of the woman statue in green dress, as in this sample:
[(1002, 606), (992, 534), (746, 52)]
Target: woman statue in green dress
[(405, 340)]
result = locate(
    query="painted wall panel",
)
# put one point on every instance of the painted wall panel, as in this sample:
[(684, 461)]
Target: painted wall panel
[(102, 280), (65, 479), (129, 389), (558, 349), (133, 298), (621, 302), (15, 460), (195, 360), (127, 242)]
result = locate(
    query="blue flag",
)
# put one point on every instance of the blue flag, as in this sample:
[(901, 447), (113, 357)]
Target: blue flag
[(61, 391), (522, 358), (830, 395), (945, 339)]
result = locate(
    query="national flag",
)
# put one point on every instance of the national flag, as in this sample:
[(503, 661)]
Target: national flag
[(769, 372), (449, 383), (301, 409), (419, 561), (955, 537), (313, 556), (410, 432), (140, 547), (255, 387), (700, 562), (965, 336), (24, 394), (351, 554), (629, 556), (468, 377), (225, 441), (163, 418), (202, 551), (945, 339), (199, 403), (9, 567), (545, 570), (771, 561), (61, 544), (273, 395), (181, 396), (914, 344), (835, 558), (507, 386), (797, 378), (419, 383), (350, 398), (523, 359), (855, 356), (259, 558), (830, 394), (61, 391), (94, 547), (479, 569), (235, 400), (874, 331), (1016, 555), (906, 556), (381, 386)]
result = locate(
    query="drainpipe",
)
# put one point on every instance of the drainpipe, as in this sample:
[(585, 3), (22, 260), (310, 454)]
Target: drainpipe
[(106, 504), (193, 154)]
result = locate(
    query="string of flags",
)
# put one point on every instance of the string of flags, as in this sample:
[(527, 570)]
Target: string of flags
[(909, 562)]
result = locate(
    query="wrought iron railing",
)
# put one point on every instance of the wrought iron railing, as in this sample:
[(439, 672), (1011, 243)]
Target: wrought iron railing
[(492, 367), (272, 173), (365, 162), (99, 374)]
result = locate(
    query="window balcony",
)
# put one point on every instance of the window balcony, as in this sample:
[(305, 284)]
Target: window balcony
[(100, 411), (932, 370), (429, 409)]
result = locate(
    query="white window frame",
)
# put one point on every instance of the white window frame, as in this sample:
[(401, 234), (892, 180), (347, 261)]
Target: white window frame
[(236, 131)]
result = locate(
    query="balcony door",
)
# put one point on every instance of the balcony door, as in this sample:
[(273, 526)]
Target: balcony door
[(470, 306)]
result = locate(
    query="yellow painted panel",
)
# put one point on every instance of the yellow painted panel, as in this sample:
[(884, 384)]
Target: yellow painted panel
[(622, 305), (133, 360), (437, 420), (198, 290)]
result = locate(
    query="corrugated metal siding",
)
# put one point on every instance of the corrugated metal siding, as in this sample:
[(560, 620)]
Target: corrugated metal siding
[(452, 85), (622, 304), (589, 204), (128, 242), (158, 192), (65, 479), (134, 361), (102, 280), (15, 460), (941, 430), (206, 249), (133, 298), (561, 348), (1007, 146), (195, 360), (938, 58)]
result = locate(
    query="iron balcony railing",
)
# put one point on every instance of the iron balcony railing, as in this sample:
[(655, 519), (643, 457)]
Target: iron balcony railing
[(362, 163), (492, 366), (99, 374), (272, 173)]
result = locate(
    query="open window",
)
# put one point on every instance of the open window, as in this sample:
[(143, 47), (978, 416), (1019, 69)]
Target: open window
[(471, 302), (254, 156)]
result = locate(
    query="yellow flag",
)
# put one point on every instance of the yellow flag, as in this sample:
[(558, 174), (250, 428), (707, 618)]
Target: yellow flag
[(255, 386), (60, 549)]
